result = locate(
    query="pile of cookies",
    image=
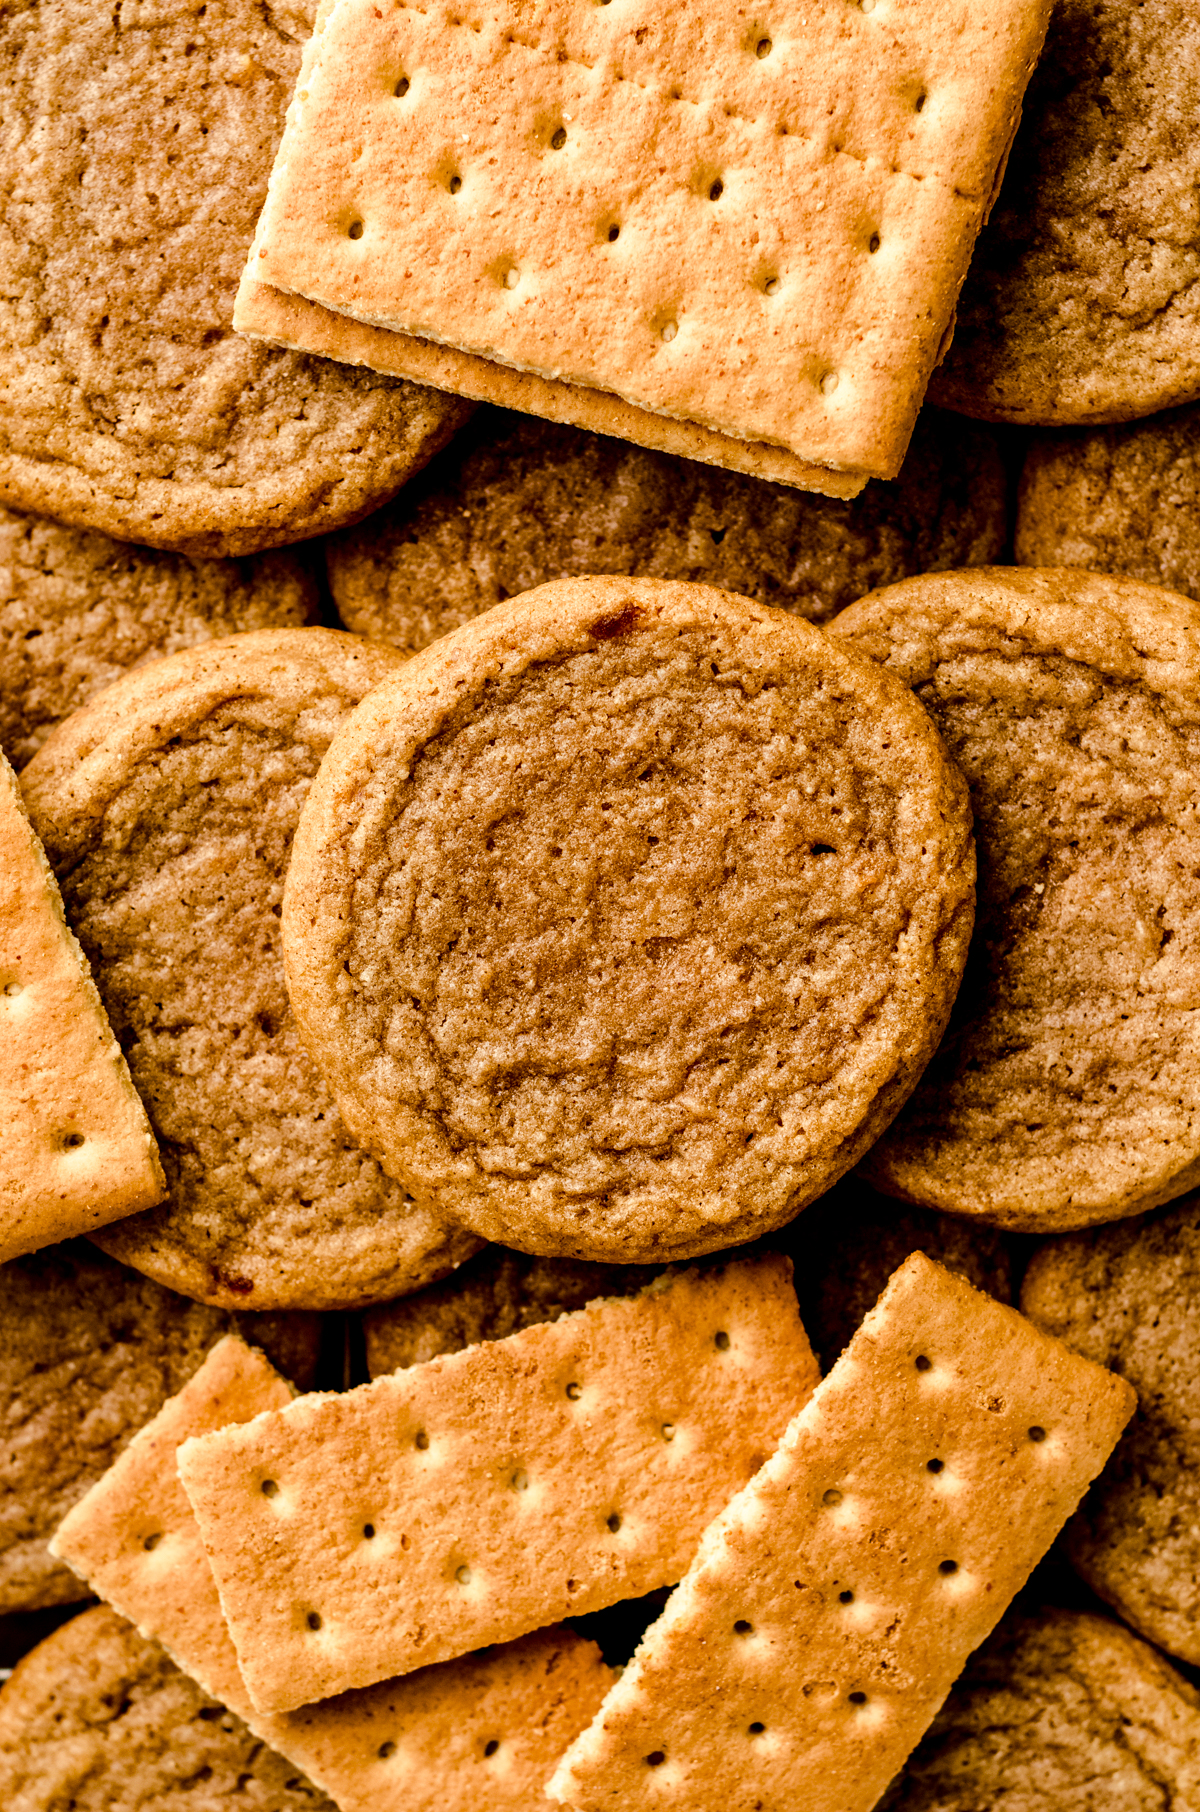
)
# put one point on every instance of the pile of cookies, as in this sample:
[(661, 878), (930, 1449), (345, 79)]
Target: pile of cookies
[(599, 1103)]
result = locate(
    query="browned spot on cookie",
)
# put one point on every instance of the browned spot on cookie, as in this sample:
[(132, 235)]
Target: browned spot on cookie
[(608, 628)]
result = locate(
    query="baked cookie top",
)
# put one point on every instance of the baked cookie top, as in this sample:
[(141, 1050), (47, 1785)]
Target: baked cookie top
[(1082, 303), (1126, 1296), (1068, 1088), (78, 609), (516, 501), (1058, 1712), (97, 1717), (1121, 500), (167, 806), (623, 918), (134, 156)]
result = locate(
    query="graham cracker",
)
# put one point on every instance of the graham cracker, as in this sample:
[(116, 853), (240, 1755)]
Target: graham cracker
[(78, 1149), (476, 1735), (761, 228), (832, 1604), (490, 1492)]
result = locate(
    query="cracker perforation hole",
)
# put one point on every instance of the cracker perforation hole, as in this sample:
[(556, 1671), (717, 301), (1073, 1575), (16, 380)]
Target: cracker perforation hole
[(668, 1431), (668, 331), (919, 102), (401, 88), (935, 1465), (829, 383), (832, 1498), (772, 286), (354, 230), (12, 989), (462, 1575), (857, 1698), (756, 1729), (873, 243), (763, 48), (721, 1341), (152, 1540), (421, 1441), (1037, 1433), (613, 1522), (368, 1532), (947, 1567), (558, 138), (923, 1363), (454, 185), (716, 190), (511, 277), (574, 1391), (491, 1746), (520, 1479), (845, 1597), (656, 1758), (613, 234), (385, 1750), (71, 1141), (743, 1627), (269, 1488), (314, 1620)]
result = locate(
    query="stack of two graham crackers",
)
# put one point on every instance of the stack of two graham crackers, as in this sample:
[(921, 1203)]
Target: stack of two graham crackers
[(375, 1581)]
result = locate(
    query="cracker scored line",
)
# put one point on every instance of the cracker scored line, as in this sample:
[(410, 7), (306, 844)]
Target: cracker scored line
[(557, 1471), (78, 1149), (476, 1735), (833, 1603)]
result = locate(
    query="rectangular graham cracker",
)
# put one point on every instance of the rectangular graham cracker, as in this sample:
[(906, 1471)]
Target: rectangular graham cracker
[(78, 1149), (834, 1602), (494, 1491), (757, 227), (475, 1735)]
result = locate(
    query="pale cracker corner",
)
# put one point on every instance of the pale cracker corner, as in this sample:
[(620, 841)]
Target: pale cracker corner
[(78, 1149), (491, 1492), (478, 1735), (834, 1602)]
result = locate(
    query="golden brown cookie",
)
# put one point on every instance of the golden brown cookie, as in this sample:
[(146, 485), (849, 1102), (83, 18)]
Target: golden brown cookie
[(1082, 303), (1123, 500), (1058, 1712), (654, 908), (89, 1351), (133, 164), (98, 1719), (168, 806), (78, 609), (516, 501), (1127, 1296), (1067, 1090)]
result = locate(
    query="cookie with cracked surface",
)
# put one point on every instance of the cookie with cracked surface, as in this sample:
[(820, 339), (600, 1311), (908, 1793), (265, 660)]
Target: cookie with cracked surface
[(517, 501), (1067, 1090), (1058, 1712), (1082, 303), (1120, 500), (78, 609), (654, 909), (97, 1717), (134, 159), (1126, 1296), (89, 1351), (167, 805)]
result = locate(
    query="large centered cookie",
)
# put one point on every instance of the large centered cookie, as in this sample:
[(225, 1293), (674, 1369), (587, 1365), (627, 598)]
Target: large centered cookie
[(135, 147), (167, 806), (1082, 303), (622, 919), (1068, 1088), (517, 501)]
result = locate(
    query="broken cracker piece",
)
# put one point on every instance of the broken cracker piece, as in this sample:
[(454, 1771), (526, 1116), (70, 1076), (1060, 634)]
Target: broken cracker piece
[(475, 1735), (833, 1603), (493, 1491), (78, 1149)]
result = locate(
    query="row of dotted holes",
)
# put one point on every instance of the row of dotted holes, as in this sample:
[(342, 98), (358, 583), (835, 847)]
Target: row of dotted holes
[(490, 1748)]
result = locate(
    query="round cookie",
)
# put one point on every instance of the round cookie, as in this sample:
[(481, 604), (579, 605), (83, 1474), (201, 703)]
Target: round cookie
[(97, 1719), (133, 166), (1068, 1088), (167, 807), (1126, 1296), (1120, 500), (1082, 303), (516, 501), (1058, 1712), (653, 910), (89, 1351), (78, 609)]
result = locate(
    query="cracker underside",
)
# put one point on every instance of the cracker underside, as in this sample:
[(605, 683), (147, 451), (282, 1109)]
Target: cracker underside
[(833, 1604), (758, 228), (557, 1471), (477, 1735), (78, 1149)]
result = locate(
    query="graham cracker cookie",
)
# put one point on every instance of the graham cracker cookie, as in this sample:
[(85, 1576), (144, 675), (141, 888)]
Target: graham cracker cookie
[(515, 501), (98, 1718), (89, 1351), (168, 805), (834, 1601), (78, 609), (1126, 1296), (1059, 1712), (495, 1294), (490, 1492), (653, 912), (1124, 500), (78, 1149), (1067, 1090), (133, 164), (475, 1735), (1083, 299), (761, 230)]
